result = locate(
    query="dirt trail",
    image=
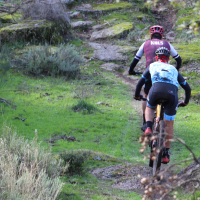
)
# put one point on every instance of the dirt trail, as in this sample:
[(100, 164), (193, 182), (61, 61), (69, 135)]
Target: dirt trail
[(125, 175)]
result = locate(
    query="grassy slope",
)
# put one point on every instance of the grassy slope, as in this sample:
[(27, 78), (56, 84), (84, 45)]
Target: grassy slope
[(46, 104)]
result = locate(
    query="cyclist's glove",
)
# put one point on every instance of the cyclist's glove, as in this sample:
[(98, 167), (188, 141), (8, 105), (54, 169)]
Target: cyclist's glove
[(138, 98), (132, 72), (181, 104)]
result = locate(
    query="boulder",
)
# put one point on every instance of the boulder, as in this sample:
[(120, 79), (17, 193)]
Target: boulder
[(81, 24), (114, 31), (99, 26), (34, 30), (6, 18), (52, 10), (110, 66), (107, 52), (75, 15)]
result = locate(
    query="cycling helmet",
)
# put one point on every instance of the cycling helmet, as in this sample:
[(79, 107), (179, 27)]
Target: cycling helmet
[(156, 29), (162, 51)]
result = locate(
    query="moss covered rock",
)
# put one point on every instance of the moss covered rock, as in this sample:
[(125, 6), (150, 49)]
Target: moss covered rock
[(6, 18), (117, 30), (36, 30)]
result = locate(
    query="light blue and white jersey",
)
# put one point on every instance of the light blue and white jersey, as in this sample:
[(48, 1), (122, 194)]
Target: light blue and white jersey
[(163, 72)]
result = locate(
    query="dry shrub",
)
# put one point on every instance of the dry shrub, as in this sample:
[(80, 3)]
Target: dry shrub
[(27, 170), (168, 182), (52, 10), (46, 60)]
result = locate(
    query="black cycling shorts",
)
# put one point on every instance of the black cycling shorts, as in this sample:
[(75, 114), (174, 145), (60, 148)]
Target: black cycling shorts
[(167, 92)]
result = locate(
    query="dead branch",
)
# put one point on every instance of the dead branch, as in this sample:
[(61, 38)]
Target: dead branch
[(7, 9), (182, 142), (158, 187), (179, 184)]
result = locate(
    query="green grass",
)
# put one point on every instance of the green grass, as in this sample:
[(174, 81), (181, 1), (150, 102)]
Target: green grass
[(188, 51), (89, 187), (113, 126), (46, 105)]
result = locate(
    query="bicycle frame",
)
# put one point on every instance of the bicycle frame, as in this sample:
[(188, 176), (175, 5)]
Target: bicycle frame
[(158, 112), (159, 115), (158, 143)]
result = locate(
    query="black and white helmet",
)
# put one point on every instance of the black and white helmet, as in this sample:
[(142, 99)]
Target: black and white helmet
[(162, 51)]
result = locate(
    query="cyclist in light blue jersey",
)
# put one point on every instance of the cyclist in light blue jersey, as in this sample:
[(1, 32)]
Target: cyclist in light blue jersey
[(165, 82)]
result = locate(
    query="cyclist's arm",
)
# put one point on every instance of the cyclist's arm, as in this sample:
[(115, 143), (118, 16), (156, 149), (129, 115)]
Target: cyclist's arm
[(176, 56), (186, 87), (136, 58), (141, 82)]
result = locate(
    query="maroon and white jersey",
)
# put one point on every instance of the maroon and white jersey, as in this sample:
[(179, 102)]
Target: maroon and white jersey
[(150, 46)]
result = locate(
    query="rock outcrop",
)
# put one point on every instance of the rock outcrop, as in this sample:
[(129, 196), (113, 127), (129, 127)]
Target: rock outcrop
[(115, 31), (34, 30)]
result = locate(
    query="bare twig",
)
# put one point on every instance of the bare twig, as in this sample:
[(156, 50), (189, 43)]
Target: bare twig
[(182, 142), (7, 9)]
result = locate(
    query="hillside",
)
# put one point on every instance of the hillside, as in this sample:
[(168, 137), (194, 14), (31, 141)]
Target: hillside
[(64, 84)]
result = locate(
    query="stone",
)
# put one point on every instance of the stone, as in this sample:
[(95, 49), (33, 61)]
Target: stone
[(76, 15), (110, 66), (114, 31), (51, 10), (81, 24), (6, 18), (39, 30), (99, 26), (108, 52)]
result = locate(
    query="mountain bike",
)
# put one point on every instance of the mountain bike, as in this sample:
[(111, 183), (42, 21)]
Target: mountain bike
[(157, 142)]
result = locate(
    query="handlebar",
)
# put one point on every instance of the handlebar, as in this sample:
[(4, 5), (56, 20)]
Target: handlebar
[(144, 99), (136, 73)]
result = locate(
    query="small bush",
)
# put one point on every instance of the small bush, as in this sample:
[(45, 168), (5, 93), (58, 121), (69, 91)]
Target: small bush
[(46, 60), (75, 159), (27, 170), (84, 106), (51, 10), (134, 35)]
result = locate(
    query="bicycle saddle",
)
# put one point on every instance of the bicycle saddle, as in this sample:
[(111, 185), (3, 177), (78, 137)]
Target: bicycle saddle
[(163, 101)]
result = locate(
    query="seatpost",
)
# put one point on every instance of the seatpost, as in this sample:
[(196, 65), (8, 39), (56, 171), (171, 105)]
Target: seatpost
[(158, 112)]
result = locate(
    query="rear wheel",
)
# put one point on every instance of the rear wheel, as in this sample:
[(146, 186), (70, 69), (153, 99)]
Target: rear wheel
[(159, 148)]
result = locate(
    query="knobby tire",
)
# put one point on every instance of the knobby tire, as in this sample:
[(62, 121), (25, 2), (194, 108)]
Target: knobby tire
[(159, 146)]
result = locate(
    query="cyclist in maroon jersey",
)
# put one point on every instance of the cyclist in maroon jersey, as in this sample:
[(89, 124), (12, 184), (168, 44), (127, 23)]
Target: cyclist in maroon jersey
[(149, 47)]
